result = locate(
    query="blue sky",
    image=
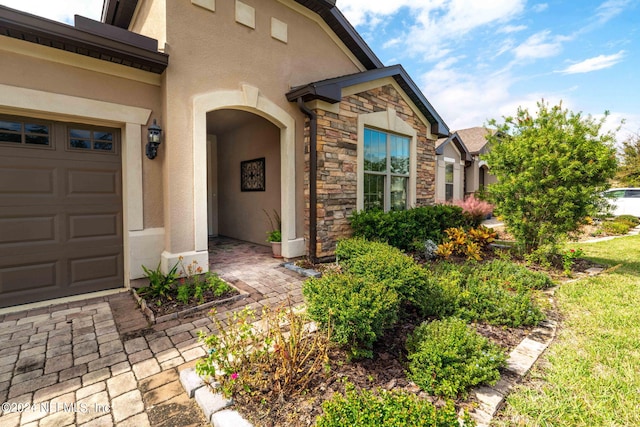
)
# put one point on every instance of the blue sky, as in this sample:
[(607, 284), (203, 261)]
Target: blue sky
[(481, 59)]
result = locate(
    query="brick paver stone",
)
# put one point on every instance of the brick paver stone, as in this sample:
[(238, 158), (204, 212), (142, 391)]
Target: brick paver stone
[(135, 345), (127, 405), (146, 369), (94, 404), (121, 384)]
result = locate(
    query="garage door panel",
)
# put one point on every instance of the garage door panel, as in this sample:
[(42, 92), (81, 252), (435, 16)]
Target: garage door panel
[(93, 183), (94, 225), (26, 181), (97, 270), (28, 230), (27, 277)]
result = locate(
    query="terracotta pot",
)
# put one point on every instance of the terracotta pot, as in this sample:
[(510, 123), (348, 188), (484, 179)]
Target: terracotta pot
[(276, 247)]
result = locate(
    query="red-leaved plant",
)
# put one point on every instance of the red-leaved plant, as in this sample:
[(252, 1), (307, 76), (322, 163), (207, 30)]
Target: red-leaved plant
[(477, 209)]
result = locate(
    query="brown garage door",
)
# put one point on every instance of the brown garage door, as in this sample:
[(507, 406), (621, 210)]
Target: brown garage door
[(60, 210)]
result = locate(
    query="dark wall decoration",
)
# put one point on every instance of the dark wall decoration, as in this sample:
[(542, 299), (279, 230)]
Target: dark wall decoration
[(252, 175)]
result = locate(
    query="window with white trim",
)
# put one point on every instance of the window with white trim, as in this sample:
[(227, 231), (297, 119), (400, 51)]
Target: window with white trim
[(386, 170), (448, 181)]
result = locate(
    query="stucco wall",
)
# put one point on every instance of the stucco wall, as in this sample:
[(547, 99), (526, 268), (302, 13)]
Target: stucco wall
[(240, 213), (450, 152), (34, 71), (210, 51)]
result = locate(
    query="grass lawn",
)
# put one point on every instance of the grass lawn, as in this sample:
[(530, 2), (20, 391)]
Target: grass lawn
[(589, 376)]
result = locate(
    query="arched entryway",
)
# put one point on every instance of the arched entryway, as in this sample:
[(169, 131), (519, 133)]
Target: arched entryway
[(243, 173), (248, 107)]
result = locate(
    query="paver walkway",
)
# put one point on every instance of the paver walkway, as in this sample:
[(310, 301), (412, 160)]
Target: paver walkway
[(98, 362)]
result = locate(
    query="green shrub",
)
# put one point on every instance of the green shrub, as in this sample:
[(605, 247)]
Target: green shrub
[(497, 292), (380, 263), (406, 229), (615, 227), (447, 357), (160, 284), (366, 409), (629, 220), (357, 310)]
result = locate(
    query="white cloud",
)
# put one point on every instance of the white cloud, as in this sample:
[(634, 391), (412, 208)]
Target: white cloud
[(599, 62), (58, 10), (611, 8), (436, 23), (540, 7), (539, 45), (512, 29)]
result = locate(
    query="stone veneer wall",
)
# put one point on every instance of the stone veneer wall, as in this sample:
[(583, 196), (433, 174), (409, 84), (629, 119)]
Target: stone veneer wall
[(337, 162)]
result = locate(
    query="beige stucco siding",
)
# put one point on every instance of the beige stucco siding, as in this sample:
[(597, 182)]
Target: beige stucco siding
[(32, 72), (240, 213), (210, 52)]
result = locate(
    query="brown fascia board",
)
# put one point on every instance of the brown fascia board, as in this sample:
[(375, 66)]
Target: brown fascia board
[(115, 33), (35, 29), (118, 12), (330, 90)]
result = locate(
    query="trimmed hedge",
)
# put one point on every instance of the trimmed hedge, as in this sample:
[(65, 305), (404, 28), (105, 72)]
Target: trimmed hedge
[(497, 292), (410, 228), (389, 409), (447, 357), (356, 310), (380, 263)]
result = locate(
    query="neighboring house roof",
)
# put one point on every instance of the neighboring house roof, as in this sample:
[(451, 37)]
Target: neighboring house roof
[(454, 139), (87, 37), (330, 90), (474, 138), (120, 13)]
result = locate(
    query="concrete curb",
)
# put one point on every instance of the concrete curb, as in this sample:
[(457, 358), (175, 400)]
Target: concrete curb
[(214, 405), (521, 359), (306, 272)]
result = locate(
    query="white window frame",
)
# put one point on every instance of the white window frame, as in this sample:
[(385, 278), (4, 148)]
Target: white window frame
[(387, 121), (448, 163)]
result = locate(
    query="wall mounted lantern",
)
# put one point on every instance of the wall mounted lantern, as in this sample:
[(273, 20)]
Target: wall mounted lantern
[(154, 137)]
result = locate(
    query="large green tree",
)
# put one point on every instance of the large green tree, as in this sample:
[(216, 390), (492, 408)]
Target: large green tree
[(629, 172), (551, 167)]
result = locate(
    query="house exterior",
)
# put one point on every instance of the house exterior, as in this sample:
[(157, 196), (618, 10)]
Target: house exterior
[(460, 171), (452, 159), (477, 175), (264, 105)]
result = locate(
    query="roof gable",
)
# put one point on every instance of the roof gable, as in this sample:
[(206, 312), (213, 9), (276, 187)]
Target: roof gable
[(330, 90), (120, 13), (454, 139), (474, 138)]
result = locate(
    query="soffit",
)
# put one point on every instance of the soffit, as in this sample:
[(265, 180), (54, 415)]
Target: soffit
[(89, 38)]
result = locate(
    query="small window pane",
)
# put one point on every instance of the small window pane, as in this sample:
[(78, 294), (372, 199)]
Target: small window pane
[(80, 143), (632, 194), (375, 151), (79, 133), (34, 128), (373, 191), (105, 146), (399, 193), (10, 126), (399, 154), (10, 137), (37, 140), (448, 173), (103, 136)]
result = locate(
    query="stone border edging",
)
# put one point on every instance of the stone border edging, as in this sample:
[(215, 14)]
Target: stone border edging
[(214, 405), (306, 272), (178, 314), (521, 359)]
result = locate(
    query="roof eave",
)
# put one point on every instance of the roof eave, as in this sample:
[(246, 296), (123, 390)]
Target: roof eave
[(330, 90), (35, 29)]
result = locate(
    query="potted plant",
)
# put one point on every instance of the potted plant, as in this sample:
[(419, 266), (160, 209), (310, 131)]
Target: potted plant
[(274, 236)]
